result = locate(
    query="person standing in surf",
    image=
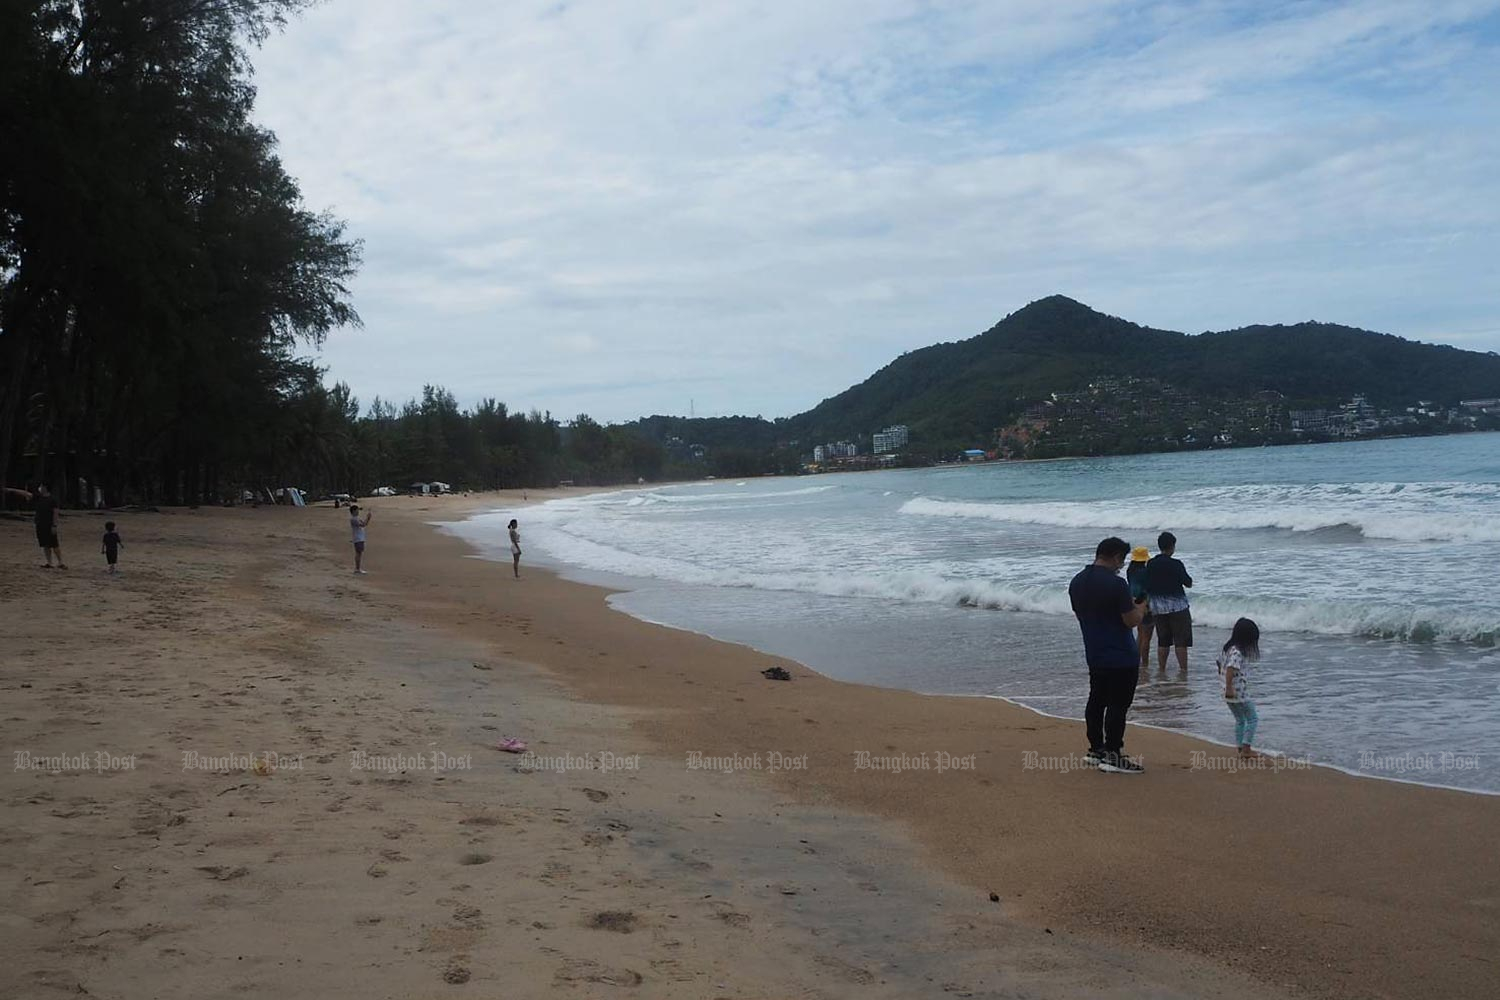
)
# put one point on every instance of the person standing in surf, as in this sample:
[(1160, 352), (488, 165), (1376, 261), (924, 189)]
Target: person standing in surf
[(1106, 615), (515, 548), (1243, 646), (1135, 575), (1167, 584)]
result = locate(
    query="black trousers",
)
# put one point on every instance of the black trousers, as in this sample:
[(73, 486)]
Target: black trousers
[(1110, 695)]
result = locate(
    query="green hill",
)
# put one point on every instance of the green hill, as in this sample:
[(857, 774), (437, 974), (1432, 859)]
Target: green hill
[(956, 393)]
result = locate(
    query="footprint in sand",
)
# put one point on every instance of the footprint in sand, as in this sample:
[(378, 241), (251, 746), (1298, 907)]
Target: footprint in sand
[(695, 864), (581, 970), (221, 873), (475, 859), (594, 794), (845, 971), (468, 916), (619, 921)]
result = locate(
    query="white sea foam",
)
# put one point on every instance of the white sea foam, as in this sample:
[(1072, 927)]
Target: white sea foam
[(927, 585), (1408, 512), (647, 497)]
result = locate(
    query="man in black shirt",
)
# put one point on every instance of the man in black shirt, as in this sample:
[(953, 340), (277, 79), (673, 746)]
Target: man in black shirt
[(1167, 584), (1106, 615), (44, 508)]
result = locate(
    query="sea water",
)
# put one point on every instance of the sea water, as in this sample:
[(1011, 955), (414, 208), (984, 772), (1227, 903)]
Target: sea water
[(1371, 568)]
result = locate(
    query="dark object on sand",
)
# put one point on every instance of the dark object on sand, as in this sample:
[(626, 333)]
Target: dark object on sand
[(776, 674), (994, 897)]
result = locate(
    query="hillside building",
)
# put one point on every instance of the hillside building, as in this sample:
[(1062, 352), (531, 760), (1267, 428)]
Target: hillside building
[(893, 438)]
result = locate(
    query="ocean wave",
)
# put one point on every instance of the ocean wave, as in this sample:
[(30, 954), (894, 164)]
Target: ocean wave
[(645, 498), (1407, 512), (1327, 617)]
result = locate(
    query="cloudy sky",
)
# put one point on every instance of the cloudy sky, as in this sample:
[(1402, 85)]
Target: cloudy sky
[(621, 206)]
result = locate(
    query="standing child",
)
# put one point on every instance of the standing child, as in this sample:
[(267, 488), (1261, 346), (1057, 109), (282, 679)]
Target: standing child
[(515, 548), (1135, 575), (111, 546), (1242, 648)]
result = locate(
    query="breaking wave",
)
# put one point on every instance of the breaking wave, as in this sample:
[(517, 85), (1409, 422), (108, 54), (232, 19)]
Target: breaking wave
[(1407, 512), (1348, 617)]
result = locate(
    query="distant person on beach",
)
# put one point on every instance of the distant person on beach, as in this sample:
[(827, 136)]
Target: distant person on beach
[(44, 516), (357, 526), (1135, 575), (1242, 648), (110, 545), (515, 548), (1167, 584), (1106, 614)]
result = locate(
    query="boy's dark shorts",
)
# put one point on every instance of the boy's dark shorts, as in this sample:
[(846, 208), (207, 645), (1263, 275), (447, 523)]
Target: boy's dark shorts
[(46, 536), (359, 546), (111, 556), (1174, 629)]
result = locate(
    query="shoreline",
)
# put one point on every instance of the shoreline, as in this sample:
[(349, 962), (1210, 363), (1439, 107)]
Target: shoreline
[(578, 575), (1336, 888)]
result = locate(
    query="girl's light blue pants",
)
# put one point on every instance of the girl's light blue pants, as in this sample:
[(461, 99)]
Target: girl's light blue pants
[(1245, 721)]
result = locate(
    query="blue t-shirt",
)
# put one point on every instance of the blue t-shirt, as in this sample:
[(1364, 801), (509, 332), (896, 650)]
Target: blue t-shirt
[(1099, 598)]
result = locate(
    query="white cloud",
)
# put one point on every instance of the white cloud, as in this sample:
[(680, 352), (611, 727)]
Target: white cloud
[(613, 206)]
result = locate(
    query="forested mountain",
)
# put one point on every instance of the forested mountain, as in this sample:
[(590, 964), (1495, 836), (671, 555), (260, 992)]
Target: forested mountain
[(955, 394)]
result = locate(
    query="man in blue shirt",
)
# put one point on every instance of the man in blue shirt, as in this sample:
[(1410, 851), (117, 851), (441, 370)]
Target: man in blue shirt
[(1106, 615)]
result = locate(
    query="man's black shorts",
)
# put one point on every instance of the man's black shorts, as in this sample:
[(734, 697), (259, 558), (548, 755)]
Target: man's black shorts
[(46, 536), (1174, 628)]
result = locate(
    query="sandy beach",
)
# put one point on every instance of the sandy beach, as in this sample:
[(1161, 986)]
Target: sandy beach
[(240, 770)]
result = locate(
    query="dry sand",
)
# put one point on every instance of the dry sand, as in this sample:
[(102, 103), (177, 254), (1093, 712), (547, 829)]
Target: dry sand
[(242, 632)]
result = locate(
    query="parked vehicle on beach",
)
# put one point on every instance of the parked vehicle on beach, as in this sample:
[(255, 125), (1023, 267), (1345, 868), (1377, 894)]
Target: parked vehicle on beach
[(383, 491)]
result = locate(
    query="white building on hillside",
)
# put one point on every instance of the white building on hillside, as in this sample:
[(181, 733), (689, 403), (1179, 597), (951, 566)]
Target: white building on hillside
[(893, 438)]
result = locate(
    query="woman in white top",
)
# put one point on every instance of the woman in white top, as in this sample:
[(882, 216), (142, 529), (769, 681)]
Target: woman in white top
[(515, 549)]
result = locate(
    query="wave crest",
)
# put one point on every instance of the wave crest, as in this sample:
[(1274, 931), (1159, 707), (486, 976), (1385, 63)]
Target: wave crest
[(1407, 512)]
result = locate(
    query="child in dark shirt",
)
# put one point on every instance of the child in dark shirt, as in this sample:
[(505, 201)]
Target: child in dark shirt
[(111, 545)]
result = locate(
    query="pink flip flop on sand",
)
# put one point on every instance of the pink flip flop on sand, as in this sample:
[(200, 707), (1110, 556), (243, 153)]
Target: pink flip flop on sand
[(511, 745)]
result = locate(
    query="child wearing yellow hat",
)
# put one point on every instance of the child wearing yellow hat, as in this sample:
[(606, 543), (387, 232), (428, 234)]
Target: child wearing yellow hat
[(1135, 575)]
